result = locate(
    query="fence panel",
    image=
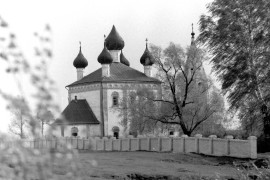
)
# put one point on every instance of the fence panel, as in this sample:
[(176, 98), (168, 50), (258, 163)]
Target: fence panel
[(198, 144)]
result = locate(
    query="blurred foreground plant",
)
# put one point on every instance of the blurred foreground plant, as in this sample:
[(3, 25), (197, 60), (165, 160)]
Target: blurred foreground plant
[(34, 85), (35, 110), (22, 163)]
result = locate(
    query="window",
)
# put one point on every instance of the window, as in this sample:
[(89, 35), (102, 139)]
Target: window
[(74, 131), (115, 99), (171, 131), (116, 130)]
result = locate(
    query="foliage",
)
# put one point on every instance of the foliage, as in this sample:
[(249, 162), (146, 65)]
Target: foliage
[(22, 163), (188, 98), (19, 121), (251, 171), (42, 84), (18, 161), (237, 34), (134, 110), (187, 88)]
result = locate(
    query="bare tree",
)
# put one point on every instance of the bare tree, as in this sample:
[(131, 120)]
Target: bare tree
[(18, 124), (45, 117), (186, 100), (134, 110)]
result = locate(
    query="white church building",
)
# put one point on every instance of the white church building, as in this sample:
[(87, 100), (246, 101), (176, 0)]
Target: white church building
[(93, 98)]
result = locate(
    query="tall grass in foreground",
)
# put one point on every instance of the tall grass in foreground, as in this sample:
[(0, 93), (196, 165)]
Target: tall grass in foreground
[(34, 100), (21, 163)]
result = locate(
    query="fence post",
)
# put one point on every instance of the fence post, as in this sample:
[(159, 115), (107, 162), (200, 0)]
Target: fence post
[(171, 140), (253, 146), (83, 142), (197, 142), (228, 137), (112, 143), (184, 136), (129, 144), (159, 144), (139, 144), (96, 144), (212, 137), (120, 145), (149, 143)]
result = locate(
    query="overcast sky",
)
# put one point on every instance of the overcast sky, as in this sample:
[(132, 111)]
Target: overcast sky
[(161, 21)]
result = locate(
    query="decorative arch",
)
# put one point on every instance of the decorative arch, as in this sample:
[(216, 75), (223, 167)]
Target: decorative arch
[(115, 131), (171, 131), (74, 131)]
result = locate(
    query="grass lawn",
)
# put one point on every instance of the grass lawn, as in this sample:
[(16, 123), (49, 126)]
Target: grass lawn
[(151, 165)]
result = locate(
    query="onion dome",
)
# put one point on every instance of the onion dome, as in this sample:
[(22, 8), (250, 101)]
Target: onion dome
[(80, 61), (105, 56), (147, 58), (123, 59), (114, 41)]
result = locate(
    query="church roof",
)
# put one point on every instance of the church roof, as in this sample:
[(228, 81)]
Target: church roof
[(77, 112), (118, 73)]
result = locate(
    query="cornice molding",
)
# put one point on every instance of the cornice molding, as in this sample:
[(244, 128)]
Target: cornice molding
[(123, 86)]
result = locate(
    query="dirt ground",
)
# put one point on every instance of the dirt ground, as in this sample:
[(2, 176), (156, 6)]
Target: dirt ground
[(151, 165)]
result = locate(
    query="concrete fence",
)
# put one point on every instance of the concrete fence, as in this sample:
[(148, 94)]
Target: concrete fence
[(198, 144)]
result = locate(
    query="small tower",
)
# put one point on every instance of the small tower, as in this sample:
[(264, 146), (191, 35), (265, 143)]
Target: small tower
[(147, 60), (105, 59), (115, 43), (80, 63), (123, 59)]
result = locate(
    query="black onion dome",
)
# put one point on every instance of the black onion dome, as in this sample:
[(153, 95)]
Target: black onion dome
[(80, 61), (114, 41), (147, 58), (105, 56), (124, 60)]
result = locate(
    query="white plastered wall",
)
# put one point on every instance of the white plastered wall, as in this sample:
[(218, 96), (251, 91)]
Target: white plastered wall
[(84, 131), (113, 113)]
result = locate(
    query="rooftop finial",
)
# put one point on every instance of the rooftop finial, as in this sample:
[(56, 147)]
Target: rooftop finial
[(146, 40), (104, 40), (192, 36), (192, 33)]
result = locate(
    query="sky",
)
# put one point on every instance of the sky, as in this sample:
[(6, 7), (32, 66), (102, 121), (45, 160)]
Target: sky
[(71, 21)]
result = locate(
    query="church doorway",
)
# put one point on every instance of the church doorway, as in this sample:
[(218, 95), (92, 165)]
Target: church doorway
[(116, 130)]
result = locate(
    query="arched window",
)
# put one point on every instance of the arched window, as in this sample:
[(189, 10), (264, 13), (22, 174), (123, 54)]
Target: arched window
[(116, 130), (74, 131), (115, 98), (171, 131)]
